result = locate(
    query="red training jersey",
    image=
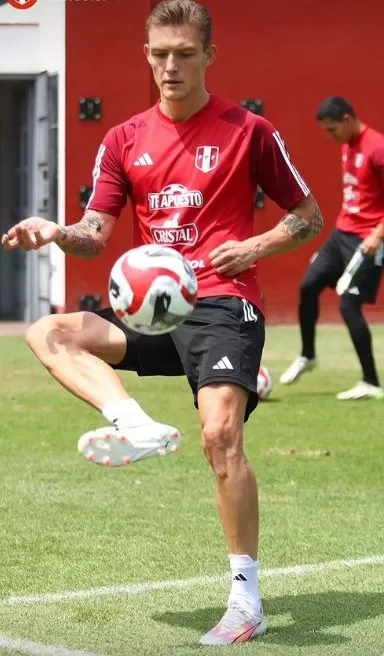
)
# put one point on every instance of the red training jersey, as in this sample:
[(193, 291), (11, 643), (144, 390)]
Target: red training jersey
[(192, 184), (362, 163)]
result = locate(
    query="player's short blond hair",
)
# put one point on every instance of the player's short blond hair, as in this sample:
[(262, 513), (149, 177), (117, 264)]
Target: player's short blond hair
[(181, 12)]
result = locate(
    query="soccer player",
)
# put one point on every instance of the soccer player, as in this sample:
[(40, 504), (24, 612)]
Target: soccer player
[(360, 223), (190, 166)]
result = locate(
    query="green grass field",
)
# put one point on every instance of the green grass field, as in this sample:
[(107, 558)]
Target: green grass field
[(67, 525)]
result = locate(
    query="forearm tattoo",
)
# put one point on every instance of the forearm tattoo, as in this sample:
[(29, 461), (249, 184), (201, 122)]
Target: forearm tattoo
[(83, 238), (301, 229)]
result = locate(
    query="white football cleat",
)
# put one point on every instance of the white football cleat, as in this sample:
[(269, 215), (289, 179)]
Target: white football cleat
[(362, 390), (113, 447), (236, 625), (296, 369)]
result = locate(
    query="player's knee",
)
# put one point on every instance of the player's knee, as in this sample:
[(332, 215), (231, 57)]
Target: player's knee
[(36, 336), (45, 335), (222, 444)]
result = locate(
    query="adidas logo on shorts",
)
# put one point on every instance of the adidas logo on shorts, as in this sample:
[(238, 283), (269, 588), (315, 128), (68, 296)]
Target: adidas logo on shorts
[(224, 363)]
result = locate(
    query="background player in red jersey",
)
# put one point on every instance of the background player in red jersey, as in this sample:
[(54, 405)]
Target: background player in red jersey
[(191, 166), (360, 224)]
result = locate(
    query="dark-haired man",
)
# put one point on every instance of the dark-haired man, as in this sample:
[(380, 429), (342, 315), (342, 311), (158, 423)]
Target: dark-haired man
[(360, 223)]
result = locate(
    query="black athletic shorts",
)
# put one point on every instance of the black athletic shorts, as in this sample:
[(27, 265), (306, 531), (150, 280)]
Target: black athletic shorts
[(329, 263), (221, 341)]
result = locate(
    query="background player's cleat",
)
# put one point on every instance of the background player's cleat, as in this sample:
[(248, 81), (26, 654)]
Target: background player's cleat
[(300, 365), (362, 390), (112, 447), (236, 625)]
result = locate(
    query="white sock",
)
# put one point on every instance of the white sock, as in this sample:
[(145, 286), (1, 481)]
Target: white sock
[(126, 412), (245, 585)]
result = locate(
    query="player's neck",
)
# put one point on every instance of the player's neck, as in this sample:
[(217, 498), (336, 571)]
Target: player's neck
[(183, 110), (357, 130)]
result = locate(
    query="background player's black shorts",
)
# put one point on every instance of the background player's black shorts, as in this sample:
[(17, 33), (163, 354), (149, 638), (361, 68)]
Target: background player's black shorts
[(222, 341), (329, 263)]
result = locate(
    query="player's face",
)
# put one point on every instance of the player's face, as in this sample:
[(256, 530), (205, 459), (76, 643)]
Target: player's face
[(340, 131), (178, 60)]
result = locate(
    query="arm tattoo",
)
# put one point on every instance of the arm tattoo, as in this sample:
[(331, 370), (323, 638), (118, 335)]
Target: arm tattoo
[(83, 238), (302, 229), (92, 222)]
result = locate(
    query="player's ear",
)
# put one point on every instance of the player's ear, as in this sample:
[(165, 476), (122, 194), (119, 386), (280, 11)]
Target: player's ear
[(211, 53), (146, 50)]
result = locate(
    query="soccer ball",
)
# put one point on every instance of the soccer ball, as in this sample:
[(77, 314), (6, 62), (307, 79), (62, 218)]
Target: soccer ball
[(152, 289), (264, 383)]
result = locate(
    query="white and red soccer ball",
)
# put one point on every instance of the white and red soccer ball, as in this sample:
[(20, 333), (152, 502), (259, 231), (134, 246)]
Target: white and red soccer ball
[(152, 289), (264, 383)]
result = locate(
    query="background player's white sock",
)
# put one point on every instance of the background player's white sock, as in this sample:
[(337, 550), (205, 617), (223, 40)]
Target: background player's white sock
[(245, 585), (126, 412)]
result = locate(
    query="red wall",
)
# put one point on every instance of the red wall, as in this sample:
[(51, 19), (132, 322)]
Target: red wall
[(290, 53), (104, 58)]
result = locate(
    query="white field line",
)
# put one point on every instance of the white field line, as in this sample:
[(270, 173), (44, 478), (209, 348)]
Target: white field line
[(180, 584), (28, 647)]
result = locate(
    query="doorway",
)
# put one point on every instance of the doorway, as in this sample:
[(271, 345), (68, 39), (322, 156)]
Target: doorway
[(28, 187)]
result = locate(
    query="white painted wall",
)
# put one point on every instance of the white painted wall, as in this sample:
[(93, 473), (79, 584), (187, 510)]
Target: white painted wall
[(31, 41)]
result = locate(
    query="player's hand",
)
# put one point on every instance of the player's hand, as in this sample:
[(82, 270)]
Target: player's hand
[(371, 244), (232, 257), (30, 234)]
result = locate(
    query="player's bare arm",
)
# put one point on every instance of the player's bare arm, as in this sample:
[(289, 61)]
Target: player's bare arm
[(301, 224), (380, 231), (87, 238), (30, 234), (375, 239), (372, 243)]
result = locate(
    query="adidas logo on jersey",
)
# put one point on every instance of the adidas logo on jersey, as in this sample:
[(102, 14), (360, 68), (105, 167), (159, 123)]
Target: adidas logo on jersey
[(224, 363), (144, 160)]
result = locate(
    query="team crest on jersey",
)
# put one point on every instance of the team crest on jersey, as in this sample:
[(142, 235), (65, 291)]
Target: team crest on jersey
[(207, 158)]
